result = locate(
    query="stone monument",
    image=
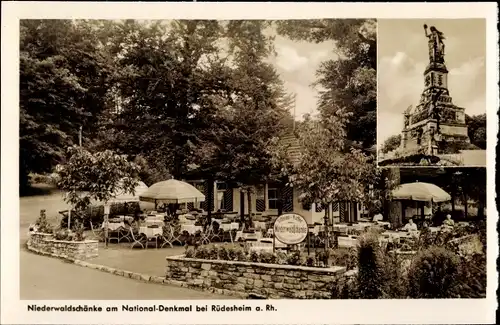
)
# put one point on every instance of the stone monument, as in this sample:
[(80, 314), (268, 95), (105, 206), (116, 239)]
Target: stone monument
[(435, 119)]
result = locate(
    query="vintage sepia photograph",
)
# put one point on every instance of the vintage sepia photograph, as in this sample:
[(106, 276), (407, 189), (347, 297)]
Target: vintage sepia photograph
[(186, 154), (227, 163), (195, 160), (432, 92)]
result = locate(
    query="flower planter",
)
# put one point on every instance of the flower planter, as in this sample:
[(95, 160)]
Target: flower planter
[(244, 278), (77, 250)]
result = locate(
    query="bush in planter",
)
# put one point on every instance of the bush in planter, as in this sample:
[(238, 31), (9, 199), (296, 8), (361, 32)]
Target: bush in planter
[(201, 253), (310, 261), (267, 257), (212, 252), (433, 274), (343, 257), (294, 258), (223, 253), (254, 257), (63, 234), (321, 258), (190, 252), (231, 254), (42, 225), (241, 255)]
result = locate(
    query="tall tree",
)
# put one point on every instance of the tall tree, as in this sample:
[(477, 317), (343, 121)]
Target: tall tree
[(64, 81), (168, 74), (476, 127), (348, 82), (325, 173), (391, 143)]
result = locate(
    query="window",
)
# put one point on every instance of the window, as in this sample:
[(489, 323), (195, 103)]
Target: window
[(272, 198)]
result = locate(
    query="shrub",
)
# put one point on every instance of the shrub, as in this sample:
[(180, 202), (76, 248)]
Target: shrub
[(79, 233), (254, 257), (201, 253), (231, 254), (223, 253), (472, 277), (42, 224), (311, 261), (212, 252), (321, 258), (281, 258), (62, 234), (343, 257), (190, 252), (293, 258), (433, 274), (241, 255)]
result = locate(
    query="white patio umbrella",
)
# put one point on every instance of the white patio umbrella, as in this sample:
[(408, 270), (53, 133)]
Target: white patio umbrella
[(420, 192), (172, 191)]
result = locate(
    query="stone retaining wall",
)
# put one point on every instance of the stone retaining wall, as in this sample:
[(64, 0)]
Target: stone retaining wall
[(68, 249), (246, 278)]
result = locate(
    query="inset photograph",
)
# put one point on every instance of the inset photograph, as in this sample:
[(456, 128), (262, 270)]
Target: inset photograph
[(431, 92)]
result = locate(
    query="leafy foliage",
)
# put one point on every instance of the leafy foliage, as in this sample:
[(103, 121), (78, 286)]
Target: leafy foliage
[(433, 273), (476, 127), (64, 80), (95, 176), (325, 173), (391, 143), (42, 225)]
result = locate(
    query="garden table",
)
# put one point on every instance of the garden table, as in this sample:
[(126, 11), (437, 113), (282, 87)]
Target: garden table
[(362, 226), (113, 226), (350, 241), (259, 225), (342, 228), (247, 235), (154, 222), (150, 232), (383, 223), (229, 226), (124, 218)]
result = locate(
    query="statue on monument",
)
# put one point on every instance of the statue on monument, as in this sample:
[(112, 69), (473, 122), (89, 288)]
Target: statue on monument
[(436, 44)]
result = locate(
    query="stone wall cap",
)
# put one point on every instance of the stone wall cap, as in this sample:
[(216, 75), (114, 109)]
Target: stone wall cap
[(74, 242), (335, 269)]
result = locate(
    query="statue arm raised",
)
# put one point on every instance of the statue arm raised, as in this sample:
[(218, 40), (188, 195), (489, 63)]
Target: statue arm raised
[(428, 35)]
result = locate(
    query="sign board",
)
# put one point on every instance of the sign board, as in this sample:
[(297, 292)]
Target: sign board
[(290, 228)]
